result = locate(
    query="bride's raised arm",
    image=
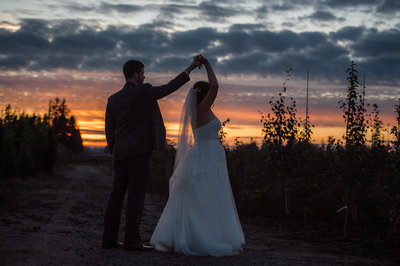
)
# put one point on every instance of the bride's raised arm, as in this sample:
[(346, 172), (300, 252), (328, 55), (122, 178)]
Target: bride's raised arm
[(208, 100)]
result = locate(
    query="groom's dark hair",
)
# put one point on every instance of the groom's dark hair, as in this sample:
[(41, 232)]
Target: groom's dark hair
[(130, 67)]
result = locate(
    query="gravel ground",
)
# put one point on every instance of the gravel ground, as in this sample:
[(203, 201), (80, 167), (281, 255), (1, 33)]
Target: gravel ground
[(60, 223)]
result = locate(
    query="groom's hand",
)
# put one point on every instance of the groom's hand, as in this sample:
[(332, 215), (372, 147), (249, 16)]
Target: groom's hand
[(195, 63), (201, 59)]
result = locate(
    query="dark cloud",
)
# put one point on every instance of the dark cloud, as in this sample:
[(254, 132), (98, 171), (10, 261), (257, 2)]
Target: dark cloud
[(293, 3), (105, 8), (269, 41), (313, 38), (245, 27), (235, 42), (169, 64), (253, 63), (262, 12), (63, 27), (36, 46), (322, 15), (329, 51), (283, 7), (383, 70), (18, 49), (353, 3), (121, 8), (216, 13), (172, 10), (85, 42), (389, 6), (378, 43), (78, 7), (380, 6), (244, 48), (348, 33), (288, 24), (192, 41)]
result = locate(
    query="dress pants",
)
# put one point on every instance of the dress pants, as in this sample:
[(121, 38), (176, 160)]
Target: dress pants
[(129, 174)]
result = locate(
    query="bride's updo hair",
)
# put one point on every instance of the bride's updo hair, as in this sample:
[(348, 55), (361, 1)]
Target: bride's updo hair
[(201, 88)]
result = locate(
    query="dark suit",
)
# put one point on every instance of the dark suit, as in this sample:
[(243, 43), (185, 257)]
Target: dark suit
[(134, 128)]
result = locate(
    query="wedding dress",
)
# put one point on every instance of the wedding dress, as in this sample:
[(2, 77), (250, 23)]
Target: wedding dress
[(200, 217)]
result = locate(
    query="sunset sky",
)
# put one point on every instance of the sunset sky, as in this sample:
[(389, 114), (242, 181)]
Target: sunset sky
[(75, 50)]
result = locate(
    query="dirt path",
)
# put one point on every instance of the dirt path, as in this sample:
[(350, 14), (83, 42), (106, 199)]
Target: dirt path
[(61, 224)]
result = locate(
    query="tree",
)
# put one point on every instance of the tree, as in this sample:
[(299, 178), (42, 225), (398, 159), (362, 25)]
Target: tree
[(377, 128), (354, 109), (75, 139), (222, 134), (282, 126), (26, 143), (66, 130), (58, 112), (396, 129), (281, 129)]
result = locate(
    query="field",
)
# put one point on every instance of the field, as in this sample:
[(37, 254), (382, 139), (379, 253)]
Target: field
[(58, 221)]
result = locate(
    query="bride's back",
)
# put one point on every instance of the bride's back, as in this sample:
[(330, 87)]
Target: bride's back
[(209, 131)]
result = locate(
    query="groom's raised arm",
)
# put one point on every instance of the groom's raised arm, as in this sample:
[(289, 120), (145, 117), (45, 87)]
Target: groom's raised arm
[(161, 91)]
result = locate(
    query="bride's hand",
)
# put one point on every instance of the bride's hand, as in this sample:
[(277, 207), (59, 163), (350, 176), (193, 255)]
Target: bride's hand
[(201, 59), (195, 64)]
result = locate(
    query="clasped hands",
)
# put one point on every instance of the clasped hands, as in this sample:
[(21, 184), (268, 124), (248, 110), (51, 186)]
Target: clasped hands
[(198, 62)]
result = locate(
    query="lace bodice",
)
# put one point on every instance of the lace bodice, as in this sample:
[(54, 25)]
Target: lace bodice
[(208, 131)]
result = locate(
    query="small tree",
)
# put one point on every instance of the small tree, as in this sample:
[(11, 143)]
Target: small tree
[(222, 134), (66, 130), (306, 132), (58, 112), (281, 129), (354, 109), (377, 138), (396, 129)]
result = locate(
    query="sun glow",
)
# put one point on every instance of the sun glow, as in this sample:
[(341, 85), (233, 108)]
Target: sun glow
[(92, 143), (9, 27), (86, 95)]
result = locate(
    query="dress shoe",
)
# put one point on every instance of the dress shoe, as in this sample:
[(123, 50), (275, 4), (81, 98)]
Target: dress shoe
[(139, 247), (115, 245)]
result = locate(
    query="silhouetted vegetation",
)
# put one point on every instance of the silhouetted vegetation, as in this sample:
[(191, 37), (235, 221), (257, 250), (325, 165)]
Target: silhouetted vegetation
[(350, 185), (222, 133), (30, 144), (65, 128), (396, 129)]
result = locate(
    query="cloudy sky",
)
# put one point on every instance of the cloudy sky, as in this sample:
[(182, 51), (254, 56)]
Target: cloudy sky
[(75, 49)]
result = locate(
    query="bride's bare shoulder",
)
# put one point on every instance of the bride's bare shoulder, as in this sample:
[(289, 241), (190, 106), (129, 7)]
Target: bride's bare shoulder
[(203, 118)]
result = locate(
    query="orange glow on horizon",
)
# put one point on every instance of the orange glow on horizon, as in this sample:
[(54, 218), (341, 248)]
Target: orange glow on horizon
[(93, 136), (91, 125), (86, 94), (94, 143)]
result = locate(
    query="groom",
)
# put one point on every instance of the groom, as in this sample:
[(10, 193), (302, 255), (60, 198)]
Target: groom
[(134, 128)]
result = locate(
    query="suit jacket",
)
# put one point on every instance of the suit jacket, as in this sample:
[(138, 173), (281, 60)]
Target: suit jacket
[(133, 122)]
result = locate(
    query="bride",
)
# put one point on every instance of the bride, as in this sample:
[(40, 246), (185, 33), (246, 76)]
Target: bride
[(200, 217)]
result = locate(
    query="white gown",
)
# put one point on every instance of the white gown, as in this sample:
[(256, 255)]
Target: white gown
[(200, 217)]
